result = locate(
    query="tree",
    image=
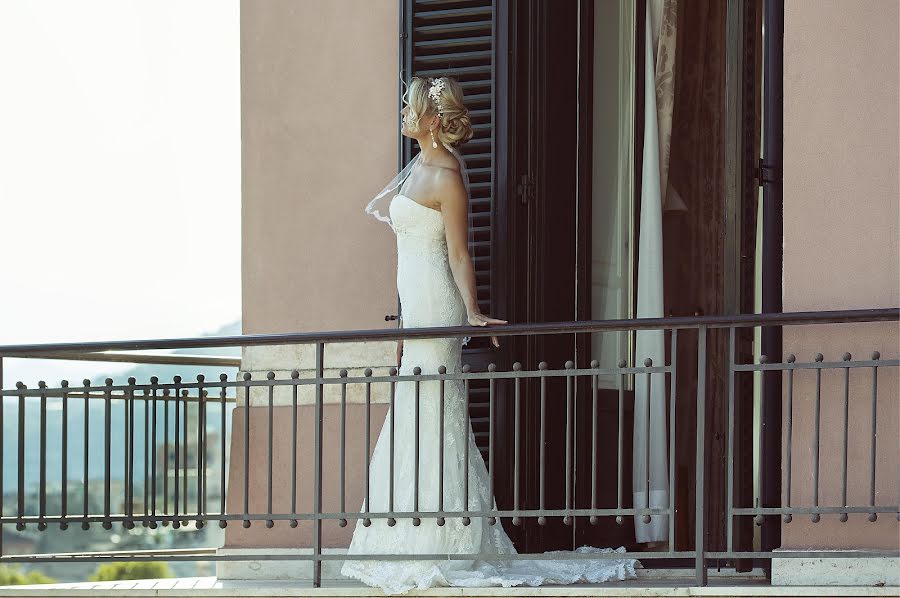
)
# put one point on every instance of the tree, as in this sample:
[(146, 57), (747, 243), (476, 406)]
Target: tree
[(14, 576), (131, 570)]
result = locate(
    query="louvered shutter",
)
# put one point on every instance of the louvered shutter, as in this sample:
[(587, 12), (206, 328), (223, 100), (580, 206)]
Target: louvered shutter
[(457, 38)]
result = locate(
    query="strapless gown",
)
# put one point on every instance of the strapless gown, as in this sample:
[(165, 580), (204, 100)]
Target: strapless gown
[(429, 297)]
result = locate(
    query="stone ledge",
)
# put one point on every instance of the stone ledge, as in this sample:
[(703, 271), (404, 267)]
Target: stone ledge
[(355, 357), (196, 587), (276, 569), (837, 571)]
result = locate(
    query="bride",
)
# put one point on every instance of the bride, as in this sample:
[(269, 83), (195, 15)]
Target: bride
[(436, 285)]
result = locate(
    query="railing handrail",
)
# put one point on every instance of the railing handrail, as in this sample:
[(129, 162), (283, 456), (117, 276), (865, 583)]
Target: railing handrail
[(584, 326), (144, 359)]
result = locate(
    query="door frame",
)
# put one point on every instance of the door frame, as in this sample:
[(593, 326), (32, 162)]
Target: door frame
[(522, 158)]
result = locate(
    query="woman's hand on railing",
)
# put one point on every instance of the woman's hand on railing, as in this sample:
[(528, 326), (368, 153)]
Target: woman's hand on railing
[(476, 318)]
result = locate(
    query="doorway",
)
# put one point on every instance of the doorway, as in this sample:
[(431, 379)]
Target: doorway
[(571, 216)]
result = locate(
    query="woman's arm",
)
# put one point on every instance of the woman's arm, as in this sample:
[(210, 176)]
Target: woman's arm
[(455, 210)]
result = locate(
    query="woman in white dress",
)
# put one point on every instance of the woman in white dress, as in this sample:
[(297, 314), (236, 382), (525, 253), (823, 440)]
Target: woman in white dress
[(436, 286)]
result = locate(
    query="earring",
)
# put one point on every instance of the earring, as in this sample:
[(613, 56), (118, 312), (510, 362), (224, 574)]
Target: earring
[(433, 142)]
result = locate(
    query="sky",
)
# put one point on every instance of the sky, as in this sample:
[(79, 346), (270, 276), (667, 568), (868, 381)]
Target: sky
[(119, 174)]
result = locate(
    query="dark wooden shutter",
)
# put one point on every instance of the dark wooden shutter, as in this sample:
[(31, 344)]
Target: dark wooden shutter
[(457, 38)]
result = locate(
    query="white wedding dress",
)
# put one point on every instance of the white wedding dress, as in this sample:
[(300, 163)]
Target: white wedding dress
[(429, 297)]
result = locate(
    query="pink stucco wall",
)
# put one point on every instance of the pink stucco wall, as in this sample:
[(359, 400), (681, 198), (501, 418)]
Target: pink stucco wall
[(841, 197), (319, 120)]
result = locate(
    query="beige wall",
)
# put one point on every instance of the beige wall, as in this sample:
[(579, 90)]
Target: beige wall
[(318, 139), (319, 120), (841, 196)]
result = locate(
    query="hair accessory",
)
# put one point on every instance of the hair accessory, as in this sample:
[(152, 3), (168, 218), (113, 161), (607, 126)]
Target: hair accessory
[(434, 92)]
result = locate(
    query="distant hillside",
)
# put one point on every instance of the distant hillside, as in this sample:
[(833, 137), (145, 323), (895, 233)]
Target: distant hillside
[(165, 373), (75, 428)]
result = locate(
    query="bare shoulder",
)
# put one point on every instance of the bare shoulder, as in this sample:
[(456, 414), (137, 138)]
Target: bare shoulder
[(445, 182), (450, 183), (448, 175)]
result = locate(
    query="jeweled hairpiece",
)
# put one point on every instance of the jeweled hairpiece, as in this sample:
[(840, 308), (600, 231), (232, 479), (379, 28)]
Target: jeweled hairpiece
[(434, 92)]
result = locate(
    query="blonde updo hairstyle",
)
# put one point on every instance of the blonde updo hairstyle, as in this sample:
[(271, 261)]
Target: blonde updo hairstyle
[(455, 127)]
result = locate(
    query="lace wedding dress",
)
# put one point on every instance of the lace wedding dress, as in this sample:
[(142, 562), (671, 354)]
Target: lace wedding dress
[(429, 297)]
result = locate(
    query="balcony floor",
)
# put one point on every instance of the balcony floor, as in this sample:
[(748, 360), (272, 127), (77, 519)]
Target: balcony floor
[(644, 586)]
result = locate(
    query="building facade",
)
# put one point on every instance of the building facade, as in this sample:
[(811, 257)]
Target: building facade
[(559, 101)]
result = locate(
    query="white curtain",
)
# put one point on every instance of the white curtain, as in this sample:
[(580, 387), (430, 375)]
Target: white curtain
[(650, 466)]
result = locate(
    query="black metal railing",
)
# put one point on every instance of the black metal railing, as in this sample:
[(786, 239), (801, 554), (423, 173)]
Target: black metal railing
[(176, 415)]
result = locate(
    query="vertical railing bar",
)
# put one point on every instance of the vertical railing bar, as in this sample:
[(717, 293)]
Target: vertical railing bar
[(20, 439), (247, 377), (86, 454), (491, 450), (416, 520), (183, 466), (391, 520), (843, 517), (129, 468), (816, 516), (153, 433), (729, 462), (64, 466), (201, 448), (466, 425), (317, 501), (790, 434), (517, 440), (366, 457), (269, 433), (542, 476), (343, 521), (147, 449), (594, 392), (619, 456), (42, 491), (205, 468), (567, 519), (185, 406), (125, 442), (107, 456), (699, 489), (124, 454), (648, 362), (222, 396), (442, 370), (760, 479), (166, 401), (124, 447), (175, 499), (673, 368), (875, 356), (295, 376)]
